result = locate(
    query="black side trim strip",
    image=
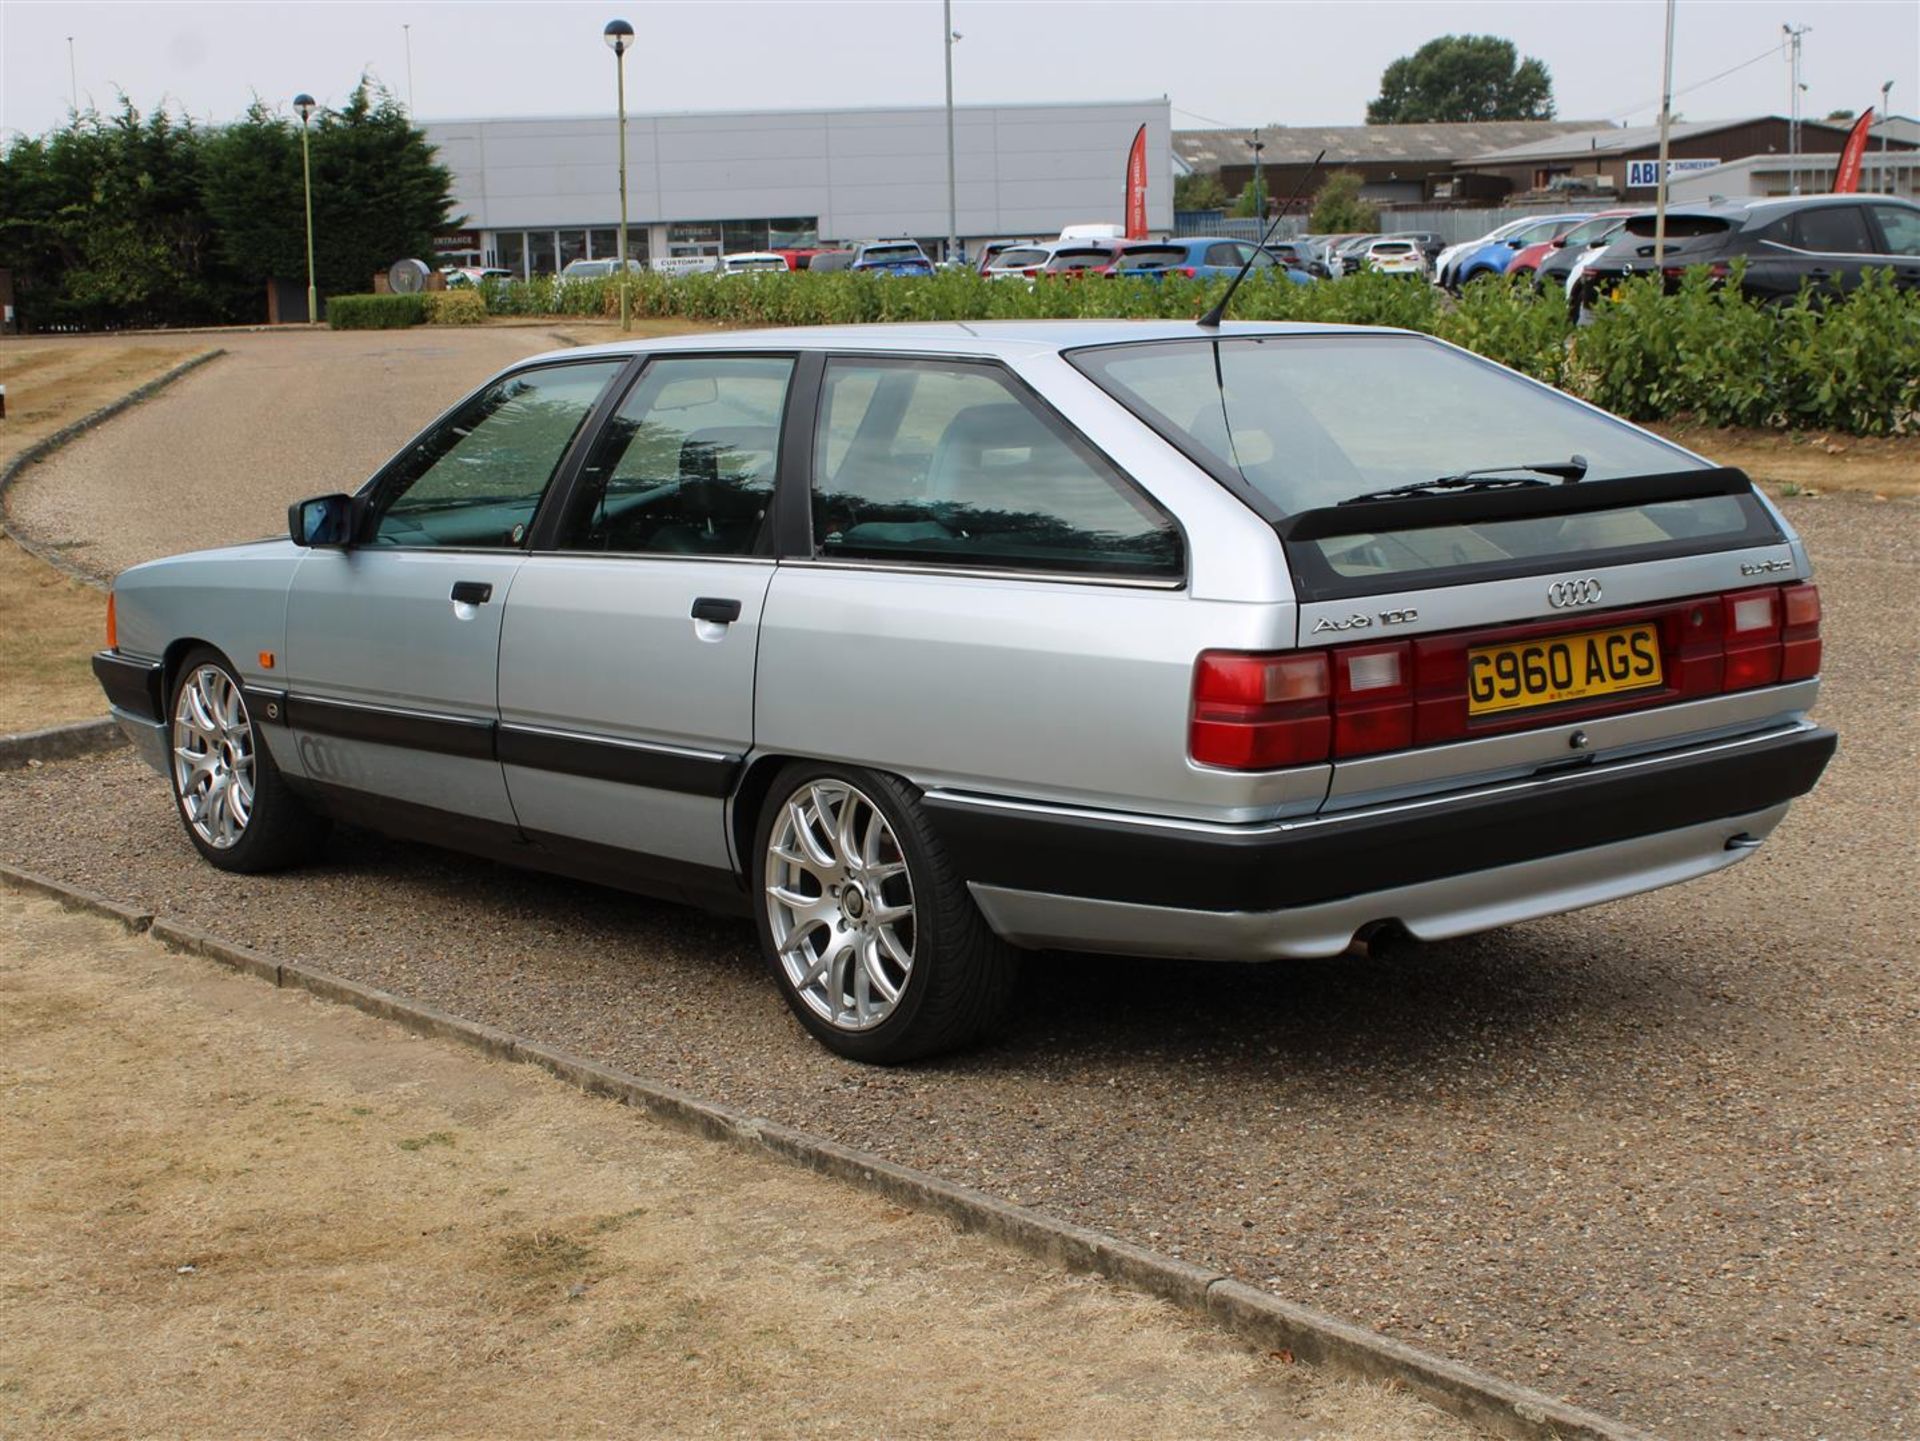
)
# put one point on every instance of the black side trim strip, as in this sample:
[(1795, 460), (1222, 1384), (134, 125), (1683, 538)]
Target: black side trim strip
[(1426, 512), (1273, 869), (711, 887), (131, 685), (446, 735), (626, 764)]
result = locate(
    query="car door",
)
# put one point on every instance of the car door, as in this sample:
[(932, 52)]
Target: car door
[(1900, 237), (392, 643), (1830, 246), (627, 654)]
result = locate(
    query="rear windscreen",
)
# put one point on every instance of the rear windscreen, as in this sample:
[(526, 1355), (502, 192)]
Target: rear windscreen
[(1679, 227), (1153, 256), (1019, 259), (1302, 423), (890, 254), (1079, 259)]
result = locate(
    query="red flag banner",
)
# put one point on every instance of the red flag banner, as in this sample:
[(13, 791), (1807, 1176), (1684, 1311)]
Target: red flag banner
[(1137, 187), (1846, 180)]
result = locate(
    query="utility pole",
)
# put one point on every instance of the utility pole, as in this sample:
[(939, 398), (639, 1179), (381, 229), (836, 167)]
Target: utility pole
[(1886, 124), (407, 30), (73, 76), (1666, 127), (1793, 34), (953, 210)]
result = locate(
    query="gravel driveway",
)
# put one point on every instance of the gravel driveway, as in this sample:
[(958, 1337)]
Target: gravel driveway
[(1658, 1157)]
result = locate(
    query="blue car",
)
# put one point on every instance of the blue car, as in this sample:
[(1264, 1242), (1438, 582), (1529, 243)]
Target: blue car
[(1202, 257), (891, 257), (1494, 255)]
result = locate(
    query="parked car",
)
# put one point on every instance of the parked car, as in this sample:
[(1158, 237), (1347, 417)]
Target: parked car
[(597, 269), (829, 260), (1430, 243), (1824, 243), (1349, 256), (1198, 257), (1446, 264), (1553, 267), (1388, 256), (923, 644), (1051, 259), (459, 277), (1495, 256), (891, 257), (754, 262), (797, 257), (994, 249)]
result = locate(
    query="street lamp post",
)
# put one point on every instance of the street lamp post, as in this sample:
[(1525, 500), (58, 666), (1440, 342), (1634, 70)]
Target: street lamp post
[(619, 37), (953, 213), (304, 103), (1256, 145)]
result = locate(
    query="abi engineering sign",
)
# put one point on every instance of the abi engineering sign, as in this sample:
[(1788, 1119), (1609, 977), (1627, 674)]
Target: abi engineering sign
[(1645, 174)]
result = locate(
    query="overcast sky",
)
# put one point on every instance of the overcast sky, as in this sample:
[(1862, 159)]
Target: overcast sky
[(1232, 61)]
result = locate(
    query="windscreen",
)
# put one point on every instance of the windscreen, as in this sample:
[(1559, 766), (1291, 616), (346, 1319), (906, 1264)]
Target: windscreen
[(1080, 259), (1311, 421), (890, 254), (1679, 227), (1019, 259), (1588, 231)]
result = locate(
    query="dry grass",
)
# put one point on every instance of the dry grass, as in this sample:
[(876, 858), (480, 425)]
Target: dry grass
[(1809, 462), (227, 1210), (54, 624)]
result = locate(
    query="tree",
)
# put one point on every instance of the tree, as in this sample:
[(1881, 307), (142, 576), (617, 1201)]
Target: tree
[(1250, 201), (1338, 208), (1463, 77), (379, 195), (1199, 192)]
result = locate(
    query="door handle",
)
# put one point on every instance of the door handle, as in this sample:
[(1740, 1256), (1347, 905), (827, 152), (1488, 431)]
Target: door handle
[(717, 610), (472, 592)]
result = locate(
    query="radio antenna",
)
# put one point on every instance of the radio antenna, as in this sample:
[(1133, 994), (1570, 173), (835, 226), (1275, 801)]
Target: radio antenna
[(1211, 320)]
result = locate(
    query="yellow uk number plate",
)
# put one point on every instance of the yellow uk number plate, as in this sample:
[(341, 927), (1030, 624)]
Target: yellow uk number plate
[(1562, 668)]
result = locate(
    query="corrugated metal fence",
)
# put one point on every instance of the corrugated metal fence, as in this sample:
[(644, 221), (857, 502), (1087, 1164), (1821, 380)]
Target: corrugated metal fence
[(1449, 225)]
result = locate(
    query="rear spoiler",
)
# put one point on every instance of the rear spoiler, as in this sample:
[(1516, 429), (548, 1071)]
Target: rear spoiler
[(1430, 512)]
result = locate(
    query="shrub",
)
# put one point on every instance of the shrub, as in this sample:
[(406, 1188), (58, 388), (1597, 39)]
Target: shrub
[(375, 312), (456, 307)]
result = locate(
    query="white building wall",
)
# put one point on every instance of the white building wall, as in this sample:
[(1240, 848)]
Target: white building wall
[(1019, 169)]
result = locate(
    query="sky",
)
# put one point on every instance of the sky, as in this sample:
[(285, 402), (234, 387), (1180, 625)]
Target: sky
[(1231, 62)]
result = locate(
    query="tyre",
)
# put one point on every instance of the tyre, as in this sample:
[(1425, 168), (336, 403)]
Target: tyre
[(232, 800), (870, 933)]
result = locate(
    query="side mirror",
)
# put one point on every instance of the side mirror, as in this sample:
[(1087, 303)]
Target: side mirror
[(324, 521), (1513, 245)]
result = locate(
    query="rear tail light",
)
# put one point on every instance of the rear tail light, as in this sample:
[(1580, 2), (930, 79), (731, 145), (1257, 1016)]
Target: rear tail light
[(1260, 712), (1263, 712), (1190, 271), (1800, 632), (113, 623)]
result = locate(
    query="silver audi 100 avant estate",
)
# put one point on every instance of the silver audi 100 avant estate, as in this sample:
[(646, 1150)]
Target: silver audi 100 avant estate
[(927, 644)]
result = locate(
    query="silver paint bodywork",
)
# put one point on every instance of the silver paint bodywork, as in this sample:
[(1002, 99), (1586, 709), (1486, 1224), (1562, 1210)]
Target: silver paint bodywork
[(1042, 691)]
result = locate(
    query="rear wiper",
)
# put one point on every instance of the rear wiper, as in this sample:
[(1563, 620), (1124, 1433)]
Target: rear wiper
[(1491, 477)]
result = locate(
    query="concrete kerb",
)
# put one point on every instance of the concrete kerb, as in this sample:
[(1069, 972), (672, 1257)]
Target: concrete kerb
[(59, 743), (47, 445), (1263, 1320)]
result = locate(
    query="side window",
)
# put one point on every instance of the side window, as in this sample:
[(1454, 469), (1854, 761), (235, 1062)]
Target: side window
[(1833, 229), (477, 478), (1225, 253), (686, 465), (1901, 225), (950, 464)]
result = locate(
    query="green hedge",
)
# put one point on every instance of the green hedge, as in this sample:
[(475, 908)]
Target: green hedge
[(456, 307), (1706, 351), (375, 312)]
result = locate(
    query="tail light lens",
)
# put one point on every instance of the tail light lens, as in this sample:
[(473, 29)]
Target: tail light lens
[(1263, 712), (1800, 632), (1260, 712), (1191, 272), (113, 624)]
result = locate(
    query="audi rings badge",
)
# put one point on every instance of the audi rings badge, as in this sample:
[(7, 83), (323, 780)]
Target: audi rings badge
[(1566, 594)]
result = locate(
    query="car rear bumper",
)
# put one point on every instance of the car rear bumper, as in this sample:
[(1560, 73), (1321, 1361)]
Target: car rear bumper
[(1561, 838)]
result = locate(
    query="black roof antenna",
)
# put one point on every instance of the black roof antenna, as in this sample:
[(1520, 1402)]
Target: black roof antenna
[(1214, 316)]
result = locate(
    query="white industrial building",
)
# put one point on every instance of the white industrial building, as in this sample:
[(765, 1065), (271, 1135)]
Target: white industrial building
[(538, 193)]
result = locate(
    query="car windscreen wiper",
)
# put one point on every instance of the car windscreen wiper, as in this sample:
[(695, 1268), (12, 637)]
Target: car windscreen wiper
[(1490, 477)]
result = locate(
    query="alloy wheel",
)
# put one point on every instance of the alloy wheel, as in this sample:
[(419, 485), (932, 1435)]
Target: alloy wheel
[(840, 901), (213, 756)]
